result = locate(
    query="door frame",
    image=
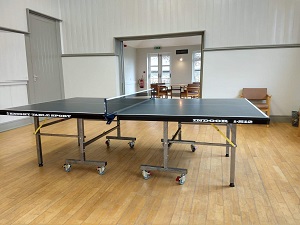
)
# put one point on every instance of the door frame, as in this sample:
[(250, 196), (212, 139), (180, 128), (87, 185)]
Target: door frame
[(30, 86), (159, 36)]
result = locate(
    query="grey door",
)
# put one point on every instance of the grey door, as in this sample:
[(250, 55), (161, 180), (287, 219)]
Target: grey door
[(44, 53)]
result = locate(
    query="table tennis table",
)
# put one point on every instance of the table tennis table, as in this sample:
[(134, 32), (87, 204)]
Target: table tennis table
[(228, 112)]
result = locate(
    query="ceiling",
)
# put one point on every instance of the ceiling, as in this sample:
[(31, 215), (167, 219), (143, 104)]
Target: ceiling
[(164, 42)]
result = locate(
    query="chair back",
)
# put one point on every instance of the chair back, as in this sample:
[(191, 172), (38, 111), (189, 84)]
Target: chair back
[(153, 86), (255, 93), (192, 90), (193, 85), (259, 97), (154, 90), (159, 90)]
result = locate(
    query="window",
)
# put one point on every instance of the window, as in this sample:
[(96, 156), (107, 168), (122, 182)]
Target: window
[(196, 66), (166, 69), (159, 67), (153, 69)]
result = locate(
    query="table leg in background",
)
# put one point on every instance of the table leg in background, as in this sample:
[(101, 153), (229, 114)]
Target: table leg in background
[(38, 141), (233, 151), (228, 128)]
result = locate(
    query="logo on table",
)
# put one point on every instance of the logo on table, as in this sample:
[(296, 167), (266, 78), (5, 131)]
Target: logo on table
[(209, 121), (221, 121), (38, 114), (243, 121)]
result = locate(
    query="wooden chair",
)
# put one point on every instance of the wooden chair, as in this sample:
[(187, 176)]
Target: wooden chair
[(159, 90), (154, 88), (259, 97), (191, 90), (163, 91)]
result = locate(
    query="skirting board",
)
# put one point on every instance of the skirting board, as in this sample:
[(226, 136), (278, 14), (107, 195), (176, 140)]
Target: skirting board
[(281, 119), (15, 124), (26, 121)]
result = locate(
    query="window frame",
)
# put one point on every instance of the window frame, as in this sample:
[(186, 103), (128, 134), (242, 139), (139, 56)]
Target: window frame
[(196, 72)]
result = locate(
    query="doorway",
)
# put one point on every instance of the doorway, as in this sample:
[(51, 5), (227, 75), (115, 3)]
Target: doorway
[(140, 73), (43, 49)]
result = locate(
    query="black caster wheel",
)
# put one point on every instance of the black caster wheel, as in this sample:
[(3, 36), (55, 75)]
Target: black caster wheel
[(146, 174), (67, 167), (131, 144), (101, 170), (181, 179), (193, 148)]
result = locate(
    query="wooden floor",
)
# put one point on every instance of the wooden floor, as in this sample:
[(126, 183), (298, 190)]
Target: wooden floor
[(267, 182)]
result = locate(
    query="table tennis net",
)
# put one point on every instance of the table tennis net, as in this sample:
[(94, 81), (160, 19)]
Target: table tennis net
[(116, 104)]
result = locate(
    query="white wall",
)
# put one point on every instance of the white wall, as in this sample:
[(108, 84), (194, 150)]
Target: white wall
[(227, 72), (13, 72), (130, 70), (95, 76), (182, 71), (13, 12), (13, 61), (12, 94), (89, 26), (12, 50)]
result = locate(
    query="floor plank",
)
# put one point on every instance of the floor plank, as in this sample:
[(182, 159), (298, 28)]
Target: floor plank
[(267, 185)]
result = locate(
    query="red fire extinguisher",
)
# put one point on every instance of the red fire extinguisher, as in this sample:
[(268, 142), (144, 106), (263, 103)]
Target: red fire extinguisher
[(141, 82)]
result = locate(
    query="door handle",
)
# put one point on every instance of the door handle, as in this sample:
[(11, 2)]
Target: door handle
[(35, 77)]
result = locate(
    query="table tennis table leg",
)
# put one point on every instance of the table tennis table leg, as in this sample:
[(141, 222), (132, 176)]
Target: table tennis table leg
[(147, 168), (119, 137), (82, 144), (80, 127), (179, 133), (230, 134), (232, 159), (119, 128), (228, 129), (166, 145), (38, 141)]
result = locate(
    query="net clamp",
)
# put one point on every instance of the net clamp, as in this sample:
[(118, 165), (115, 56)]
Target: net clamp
[(109, 118)]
